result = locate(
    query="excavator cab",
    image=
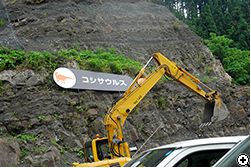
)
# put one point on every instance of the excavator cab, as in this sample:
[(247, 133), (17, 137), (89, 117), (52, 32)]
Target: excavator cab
[(97, 154), (96, 150)]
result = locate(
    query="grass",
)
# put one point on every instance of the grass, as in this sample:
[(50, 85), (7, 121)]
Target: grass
[(81, 109), (161, 102), (2, 22), (24, 152), (26, 138), (99, 60), (41, 117), (1, 88), (79, 152), (207, 79), (176, 25), (61, 148)]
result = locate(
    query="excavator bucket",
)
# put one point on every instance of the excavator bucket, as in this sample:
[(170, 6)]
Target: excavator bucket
[(214, 111)]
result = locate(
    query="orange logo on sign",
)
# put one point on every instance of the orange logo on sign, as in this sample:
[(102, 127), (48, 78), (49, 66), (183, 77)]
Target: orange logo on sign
[(61, 78), (64, 77)]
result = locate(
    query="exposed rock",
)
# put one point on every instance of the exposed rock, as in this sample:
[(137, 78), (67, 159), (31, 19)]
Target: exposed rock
[(131, 132), (78, 144), (26, 77), (96, 127), (9, 153), (15, 126), (68, 139), (34, 80), (34, 1), (7, 76), (46, 160), (92, 112), (72, 64)]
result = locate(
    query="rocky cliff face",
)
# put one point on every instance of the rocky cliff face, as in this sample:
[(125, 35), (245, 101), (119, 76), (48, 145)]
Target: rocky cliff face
[(49, 123)]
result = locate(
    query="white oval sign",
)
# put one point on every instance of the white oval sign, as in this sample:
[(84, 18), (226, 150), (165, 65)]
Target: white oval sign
[(64, 77)]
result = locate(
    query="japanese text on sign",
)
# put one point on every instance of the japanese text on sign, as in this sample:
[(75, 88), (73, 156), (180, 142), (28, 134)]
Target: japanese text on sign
[(103, 81)]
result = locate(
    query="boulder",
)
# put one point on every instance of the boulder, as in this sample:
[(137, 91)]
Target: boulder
[(26, 77), (92, 112), (7, 76), (96, 127), (48, 159), (9, 153)]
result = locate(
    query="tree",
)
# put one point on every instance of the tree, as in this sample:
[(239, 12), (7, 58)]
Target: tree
[(225, 26), (206, 22), (217, 16), (218, 45), (236, 62), (224, 17)]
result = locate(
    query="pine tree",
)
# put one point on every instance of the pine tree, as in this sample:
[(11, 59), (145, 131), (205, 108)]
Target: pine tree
[(223, 17), (217, 16), (239, 31), (206, 22)]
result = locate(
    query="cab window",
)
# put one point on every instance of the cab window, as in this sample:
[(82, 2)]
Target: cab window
[(88, 155), (103, 149)]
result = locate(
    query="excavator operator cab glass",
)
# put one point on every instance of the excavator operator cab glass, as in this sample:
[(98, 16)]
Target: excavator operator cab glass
[(88, 154), (103, 151)]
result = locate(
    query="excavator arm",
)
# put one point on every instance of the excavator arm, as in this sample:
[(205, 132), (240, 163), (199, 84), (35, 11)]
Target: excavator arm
[(215, 109)]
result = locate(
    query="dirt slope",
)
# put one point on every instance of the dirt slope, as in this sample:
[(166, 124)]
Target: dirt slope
[(60, 119)]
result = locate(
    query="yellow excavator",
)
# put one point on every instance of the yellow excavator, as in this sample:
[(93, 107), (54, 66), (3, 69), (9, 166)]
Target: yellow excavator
[(112, 150)]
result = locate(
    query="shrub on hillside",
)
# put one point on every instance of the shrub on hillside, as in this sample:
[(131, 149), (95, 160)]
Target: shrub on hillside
[(236, 62), (99, 60)]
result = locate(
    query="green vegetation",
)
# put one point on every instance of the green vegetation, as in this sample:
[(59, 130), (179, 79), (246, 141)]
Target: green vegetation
[(10, 59), (235, 61), (176, 25), (55, 116), (2, 22), (161, 102), (79, 152), (40, 149), (1, 88), (60, 147), (24, 152), (99, 60), (223, 17), (140, 126), (54, 142), (229, 21), (81, 109), (41, 117), (26, 138)]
